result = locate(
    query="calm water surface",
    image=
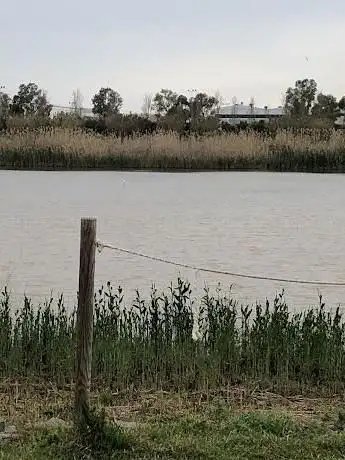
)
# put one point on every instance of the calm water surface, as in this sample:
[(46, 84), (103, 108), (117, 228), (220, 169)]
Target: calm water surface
[(280, 225)]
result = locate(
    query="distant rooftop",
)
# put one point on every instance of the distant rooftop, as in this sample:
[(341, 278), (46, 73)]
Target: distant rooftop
[(340, 121), (85, 112), (242, 109)]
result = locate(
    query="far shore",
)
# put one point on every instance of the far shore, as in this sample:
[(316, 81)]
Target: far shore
[(76, 150)]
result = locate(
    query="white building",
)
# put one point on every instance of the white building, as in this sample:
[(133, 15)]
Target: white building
[(237, 113), (84, 112), (340, 121)]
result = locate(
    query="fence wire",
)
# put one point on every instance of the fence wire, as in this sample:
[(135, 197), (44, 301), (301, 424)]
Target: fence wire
[(100, 245)]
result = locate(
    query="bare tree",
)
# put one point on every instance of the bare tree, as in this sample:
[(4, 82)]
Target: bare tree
[(234, 105), (220, 101), (252, 106), (77, 102), (147, 104)]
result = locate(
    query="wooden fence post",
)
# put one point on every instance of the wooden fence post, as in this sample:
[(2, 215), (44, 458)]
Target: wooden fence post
[(84, 323)]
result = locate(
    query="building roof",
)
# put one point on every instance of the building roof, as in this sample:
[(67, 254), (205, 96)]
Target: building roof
[(56, 109), (340, 121), (242, 109)]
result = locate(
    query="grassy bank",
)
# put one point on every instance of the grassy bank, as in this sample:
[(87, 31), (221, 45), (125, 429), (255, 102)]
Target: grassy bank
[(176, 379), (238, 424), (168, 342), (286, 150)]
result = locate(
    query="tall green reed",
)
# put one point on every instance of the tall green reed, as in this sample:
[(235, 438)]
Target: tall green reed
[(170, 341)]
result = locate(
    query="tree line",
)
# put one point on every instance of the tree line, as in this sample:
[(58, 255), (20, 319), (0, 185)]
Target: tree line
[(165, 110), (304, 100)]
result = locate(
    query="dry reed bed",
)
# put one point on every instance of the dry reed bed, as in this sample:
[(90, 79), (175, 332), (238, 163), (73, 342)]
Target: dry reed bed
[(286, 150)]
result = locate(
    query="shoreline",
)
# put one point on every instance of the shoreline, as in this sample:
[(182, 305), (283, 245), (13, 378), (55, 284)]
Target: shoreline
[(171, 171)]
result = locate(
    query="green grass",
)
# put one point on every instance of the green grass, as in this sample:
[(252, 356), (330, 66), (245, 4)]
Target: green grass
[(223, 434), (172, 342)]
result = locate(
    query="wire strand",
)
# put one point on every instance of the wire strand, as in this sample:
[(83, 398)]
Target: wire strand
[(101, 245)]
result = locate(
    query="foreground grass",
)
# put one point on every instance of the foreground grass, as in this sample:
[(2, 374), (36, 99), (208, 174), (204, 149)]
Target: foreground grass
[(314, 151), (215, 431), (216, 380)]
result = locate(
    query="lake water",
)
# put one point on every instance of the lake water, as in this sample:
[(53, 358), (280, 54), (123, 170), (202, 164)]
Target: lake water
[(276, 225)]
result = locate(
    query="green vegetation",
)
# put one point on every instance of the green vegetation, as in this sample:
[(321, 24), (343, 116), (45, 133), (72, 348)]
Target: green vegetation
[(221, 433), (169, 108), (171, 343)]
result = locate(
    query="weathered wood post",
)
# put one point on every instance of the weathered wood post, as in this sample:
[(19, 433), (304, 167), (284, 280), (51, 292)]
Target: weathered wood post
[(84, 323)]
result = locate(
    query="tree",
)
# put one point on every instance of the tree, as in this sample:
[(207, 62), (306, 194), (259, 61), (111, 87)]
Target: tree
[(106, 102), (164, 101), (181, 107), (220, 101), (4, 105), (169, 103), (202, 105), (299, 100), (30, 100), (341, 103), (326, 106), (147, 104), (77, 102)]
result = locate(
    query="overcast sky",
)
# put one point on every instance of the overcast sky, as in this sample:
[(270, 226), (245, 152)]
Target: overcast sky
[(241, 48)]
